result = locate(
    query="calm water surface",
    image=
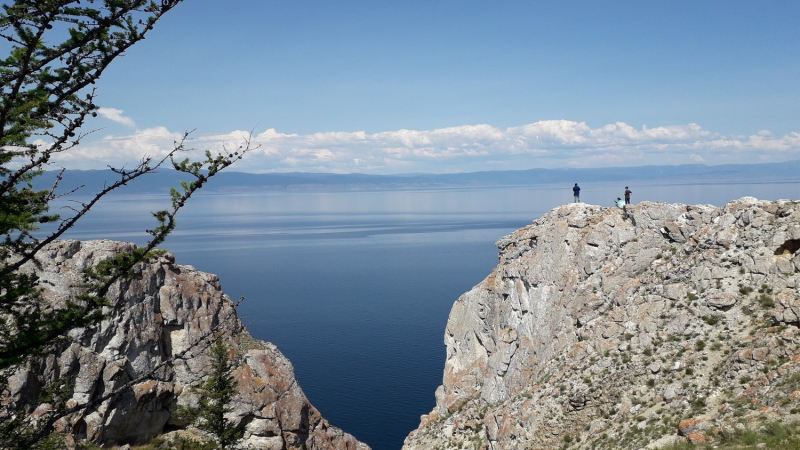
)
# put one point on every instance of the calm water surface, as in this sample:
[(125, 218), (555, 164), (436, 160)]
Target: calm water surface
[(355, 287)]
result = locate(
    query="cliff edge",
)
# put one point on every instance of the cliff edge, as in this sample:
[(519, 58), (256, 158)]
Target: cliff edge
[(153, 336), (606, 328)]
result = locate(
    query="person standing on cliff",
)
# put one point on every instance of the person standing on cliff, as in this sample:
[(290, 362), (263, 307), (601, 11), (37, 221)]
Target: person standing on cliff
[(627, 195), (576, 192)]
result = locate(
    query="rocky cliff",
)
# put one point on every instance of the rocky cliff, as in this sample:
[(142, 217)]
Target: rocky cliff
[(164, 311), (608, 328)]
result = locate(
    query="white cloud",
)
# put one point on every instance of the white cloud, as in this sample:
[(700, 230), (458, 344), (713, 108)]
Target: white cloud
[(121, 150), (548, 143), (116, 116)]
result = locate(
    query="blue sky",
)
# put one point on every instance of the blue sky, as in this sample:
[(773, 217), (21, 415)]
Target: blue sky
[(413, 86)]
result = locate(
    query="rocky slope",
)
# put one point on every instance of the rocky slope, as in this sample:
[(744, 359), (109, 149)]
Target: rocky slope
[(610, 329), (164, 311)]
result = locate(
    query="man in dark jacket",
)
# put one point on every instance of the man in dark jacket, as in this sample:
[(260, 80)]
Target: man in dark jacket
[(576, 192), (627, 195)]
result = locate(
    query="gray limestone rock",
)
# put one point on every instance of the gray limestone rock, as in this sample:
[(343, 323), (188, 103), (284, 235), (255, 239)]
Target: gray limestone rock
[(153, 340), (594, 315), (720, 300)]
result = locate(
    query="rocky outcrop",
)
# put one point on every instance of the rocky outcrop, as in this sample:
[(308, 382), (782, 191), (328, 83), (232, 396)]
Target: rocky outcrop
[(607, 328), (155, 331)]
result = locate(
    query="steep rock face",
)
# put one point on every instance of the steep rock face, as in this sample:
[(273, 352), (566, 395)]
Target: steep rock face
[(164, 313), (604, 328)]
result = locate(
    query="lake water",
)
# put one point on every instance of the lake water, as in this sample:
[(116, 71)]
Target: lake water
[(355, 287)]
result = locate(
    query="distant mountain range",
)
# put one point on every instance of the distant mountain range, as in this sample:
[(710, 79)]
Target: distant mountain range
[(161, 180)]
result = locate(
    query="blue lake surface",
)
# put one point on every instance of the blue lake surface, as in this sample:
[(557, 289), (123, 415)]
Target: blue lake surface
[(355, 287)]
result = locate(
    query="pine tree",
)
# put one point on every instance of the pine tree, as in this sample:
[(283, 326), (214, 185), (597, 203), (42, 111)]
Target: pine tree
[(58, 49), (46, 92), (216, 394)]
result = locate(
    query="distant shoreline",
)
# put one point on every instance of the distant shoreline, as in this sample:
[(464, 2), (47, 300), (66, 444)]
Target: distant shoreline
[(238, 182)]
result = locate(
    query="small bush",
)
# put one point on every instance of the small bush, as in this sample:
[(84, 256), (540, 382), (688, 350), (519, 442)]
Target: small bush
[(766, 300), (712, 319)]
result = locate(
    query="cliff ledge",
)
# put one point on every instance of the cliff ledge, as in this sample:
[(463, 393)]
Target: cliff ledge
[(608, 329)]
